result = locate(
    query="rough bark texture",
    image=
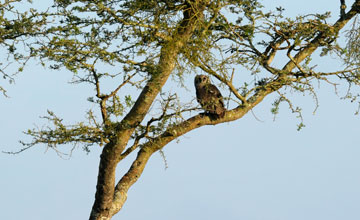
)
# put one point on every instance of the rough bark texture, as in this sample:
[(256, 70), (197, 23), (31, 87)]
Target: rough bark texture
[(102, 208)]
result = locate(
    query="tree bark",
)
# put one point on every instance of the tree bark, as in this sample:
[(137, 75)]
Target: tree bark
[(102, 208)]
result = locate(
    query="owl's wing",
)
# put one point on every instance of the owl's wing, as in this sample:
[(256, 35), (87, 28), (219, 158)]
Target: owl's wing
[(215, 92)]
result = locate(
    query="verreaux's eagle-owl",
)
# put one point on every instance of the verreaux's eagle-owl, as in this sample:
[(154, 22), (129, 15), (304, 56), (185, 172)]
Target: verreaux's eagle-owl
[(209, 96)]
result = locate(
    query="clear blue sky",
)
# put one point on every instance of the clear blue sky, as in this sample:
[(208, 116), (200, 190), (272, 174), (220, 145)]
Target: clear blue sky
[(246, 169)]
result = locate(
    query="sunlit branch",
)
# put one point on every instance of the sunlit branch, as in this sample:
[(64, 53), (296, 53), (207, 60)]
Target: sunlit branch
[(208, 70)]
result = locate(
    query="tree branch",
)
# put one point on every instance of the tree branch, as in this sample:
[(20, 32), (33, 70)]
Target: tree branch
[(104, 197), (176, 131), (315, 43)]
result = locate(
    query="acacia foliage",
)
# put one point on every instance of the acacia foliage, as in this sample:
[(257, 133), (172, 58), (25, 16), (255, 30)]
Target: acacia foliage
[(122, 41), (120, 46), (16, 29)]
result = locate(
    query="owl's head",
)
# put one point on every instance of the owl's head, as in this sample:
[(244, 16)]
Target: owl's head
[(201, 80)]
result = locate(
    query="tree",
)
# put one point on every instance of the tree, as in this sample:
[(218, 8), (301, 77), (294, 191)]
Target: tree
[(144, 42)]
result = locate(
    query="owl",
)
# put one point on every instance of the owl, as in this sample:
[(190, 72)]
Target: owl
[(209, 96)]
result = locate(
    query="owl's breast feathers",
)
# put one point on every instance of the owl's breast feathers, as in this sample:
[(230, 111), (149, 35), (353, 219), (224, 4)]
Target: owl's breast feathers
[(211, 100)]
